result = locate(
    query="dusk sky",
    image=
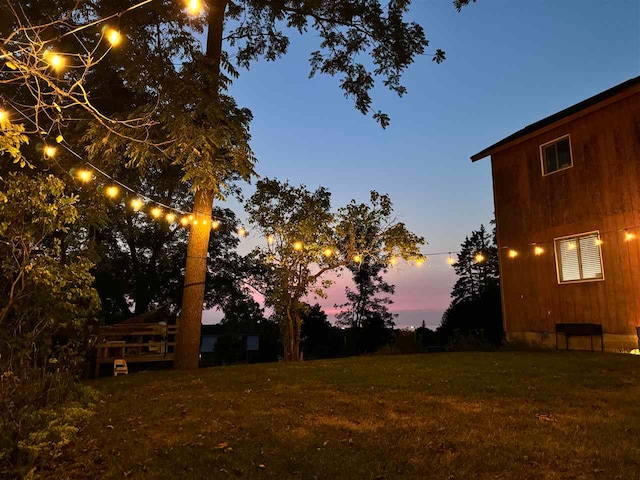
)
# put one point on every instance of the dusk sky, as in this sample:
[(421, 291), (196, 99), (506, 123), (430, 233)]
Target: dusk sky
[(508, 65)]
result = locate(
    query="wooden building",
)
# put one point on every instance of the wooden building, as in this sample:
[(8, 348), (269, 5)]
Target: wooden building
[(567, 205)]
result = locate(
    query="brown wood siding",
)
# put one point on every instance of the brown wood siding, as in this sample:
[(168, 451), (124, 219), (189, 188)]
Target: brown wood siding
[(600, 192)]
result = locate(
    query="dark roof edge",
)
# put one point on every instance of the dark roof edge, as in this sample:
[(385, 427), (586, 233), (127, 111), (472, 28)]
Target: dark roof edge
[(558, 116)]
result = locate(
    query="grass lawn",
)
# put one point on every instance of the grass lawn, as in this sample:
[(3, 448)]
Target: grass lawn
[(506, 415)]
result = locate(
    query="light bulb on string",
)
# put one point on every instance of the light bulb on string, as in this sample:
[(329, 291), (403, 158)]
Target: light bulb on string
[(393, 261), (598, 241), (628, 236), (50, 151), (194, 7), (450, 260), (112, 191), (195, 221), (215, 224), (184, 221), (297, 246), (4, 116), (357, 258), (190, 217), (136, 204), (171, 217), (85, 176), (327, 252), (479, 258), (512, 253), (156, 212), (419, 262), (538, 250), (571, 246), (55, 60), (114, 37), (242, 232), (270, 239)]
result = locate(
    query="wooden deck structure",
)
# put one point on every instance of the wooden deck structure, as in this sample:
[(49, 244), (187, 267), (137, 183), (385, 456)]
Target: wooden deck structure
[(135, 343)]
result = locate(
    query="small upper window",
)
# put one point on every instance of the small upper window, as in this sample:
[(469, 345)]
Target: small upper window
[(556, 155)]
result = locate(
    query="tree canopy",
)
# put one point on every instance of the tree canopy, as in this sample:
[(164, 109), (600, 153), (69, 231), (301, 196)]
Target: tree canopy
[(306, 240), (147, 97)]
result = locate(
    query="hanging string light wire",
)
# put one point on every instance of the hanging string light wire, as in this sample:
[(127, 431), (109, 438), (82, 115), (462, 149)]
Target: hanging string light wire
[(126, 187)]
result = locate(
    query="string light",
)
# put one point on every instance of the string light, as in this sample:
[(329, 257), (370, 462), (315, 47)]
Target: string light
[(297, 246), (195, 222), (58, 61), (357, 258), (136, 204), (112, 191), (50, 151), (479, 258), (538, 250), (419, 262), (194, 7), (114, 37), (242, 232), (513, 253), (327, 252), (85, 175), (190, 217), (571, 246), (628, 236), (450, 260), (55, 60), (184, 221), (393, 261), (598, 241), (270, 239)]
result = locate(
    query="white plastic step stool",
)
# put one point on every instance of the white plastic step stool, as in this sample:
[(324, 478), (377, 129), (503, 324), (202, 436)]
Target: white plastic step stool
[(120, 367)]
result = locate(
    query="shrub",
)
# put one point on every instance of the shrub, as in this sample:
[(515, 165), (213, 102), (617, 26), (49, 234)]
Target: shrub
[(46, 305)]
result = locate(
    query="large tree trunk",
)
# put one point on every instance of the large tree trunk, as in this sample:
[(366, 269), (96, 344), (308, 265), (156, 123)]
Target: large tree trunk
[(291, 336), (189, 323)]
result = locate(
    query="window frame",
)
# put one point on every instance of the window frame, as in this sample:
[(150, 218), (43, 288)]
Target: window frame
[(577, 237), (546, 144)]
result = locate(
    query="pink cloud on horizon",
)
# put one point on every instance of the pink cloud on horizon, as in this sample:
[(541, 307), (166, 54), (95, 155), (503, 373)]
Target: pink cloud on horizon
[(426, 288), (421, 293)]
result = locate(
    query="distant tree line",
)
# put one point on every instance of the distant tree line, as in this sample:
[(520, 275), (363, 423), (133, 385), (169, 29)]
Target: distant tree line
[(366, 325)]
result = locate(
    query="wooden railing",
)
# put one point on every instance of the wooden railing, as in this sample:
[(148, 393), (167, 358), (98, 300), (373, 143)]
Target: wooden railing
[(135, 343)]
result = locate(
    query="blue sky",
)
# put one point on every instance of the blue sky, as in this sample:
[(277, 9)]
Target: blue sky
[(508, 65)]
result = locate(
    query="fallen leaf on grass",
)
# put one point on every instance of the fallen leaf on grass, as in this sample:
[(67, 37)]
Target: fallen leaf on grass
[(224, 446), (545, 418), (193, 444)]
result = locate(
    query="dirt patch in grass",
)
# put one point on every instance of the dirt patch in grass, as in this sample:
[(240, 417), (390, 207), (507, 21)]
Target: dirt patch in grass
[(437, 416)]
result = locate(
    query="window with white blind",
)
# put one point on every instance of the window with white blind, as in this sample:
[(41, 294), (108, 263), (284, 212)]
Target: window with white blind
[(579, 258)]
